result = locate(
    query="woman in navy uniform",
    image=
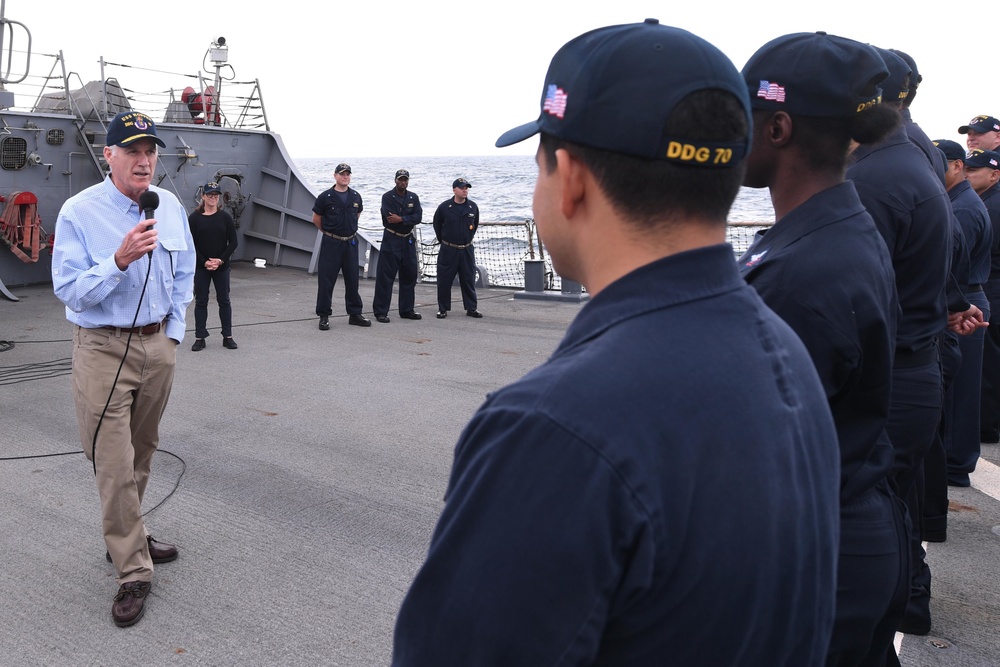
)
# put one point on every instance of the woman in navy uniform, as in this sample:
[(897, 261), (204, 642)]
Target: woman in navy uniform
[(824, 269)]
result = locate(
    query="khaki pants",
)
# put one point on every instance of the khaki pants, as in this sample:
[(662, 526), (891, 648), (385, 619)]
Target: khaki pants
[(128, 434)]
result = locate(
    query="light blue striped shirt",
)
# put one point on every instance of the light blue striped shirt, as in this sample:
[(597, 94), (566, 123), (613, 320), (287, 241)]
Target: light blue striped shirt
[(89, 229)]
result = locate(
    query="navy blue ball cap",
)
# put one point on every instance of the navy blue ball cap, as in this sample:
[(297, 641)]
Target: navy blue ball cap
[(130, 126), (951, 149), (815, 74), (460, 183), (613, 89), (915, 76), (980, 158), (896, 87), (981, 124)]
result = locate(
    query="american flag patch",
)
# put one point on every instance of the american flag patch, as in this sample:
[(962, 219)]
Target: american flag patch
[(555, 101), (771, 91)]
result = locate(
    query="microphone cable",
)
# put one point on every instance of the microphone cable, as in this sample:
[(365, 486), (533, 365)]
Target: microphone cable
[(114, 384), (148, 202)]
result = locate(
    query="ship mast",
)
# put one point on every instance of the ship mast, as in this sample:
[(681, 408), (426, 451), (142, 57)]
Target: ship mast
[(218, 54), (7, 97)]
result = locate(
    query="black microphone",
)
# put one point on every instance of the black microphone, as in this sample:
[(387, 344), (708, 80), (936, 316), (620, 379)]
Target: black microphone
[(148, 202)]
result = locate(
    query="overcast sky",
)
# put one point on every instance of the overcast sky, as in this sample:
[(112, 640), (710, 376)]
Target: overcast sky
[(440, 77)]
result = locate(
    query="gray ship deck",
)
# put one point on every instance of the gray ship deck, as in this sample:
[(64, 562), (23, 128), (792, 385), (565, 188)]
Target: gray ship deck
[(314, 464)]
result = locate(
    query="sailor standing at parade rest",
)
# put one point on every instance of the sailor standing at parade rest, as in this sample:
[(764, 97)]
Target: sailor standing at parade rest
[(335, 215), (455, 223), (984, 177), (627, 503), (906, 198), (961, 419), (824, 269)]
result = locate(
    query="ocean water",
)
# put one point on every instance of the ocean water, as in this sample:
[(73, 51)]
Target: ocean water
[(502, 186)]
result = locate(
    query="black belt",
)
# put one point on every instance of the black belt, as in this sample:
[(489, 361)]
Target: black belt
[(914, 359), (407, 235), (147, 330), (339, 238), (975, 288), (453, 245)]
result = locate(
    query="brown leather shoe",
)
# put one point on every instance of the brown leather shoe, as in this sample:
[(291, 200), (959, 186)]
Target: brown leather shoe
[(160, 552), (130, 603)]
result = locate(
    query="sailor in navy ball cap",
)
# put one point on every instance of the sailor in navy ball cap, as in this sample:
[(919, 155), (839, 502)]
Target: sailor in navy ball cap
[(983, 133), (913, 131), (824, 268), (455, 223), (582, 519), (962, 412), (902, 187), (983, 174), (952, 149)]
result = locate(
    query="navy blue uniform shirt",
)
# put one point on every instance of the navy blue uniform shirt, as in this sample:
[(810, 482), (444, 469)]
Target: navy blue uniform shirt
[(824, 269), (920, 139), (974, 220), (663, 490), (456, 223), (339, 218), (961, 269), (407, 207), (991, 199), (913, 214)]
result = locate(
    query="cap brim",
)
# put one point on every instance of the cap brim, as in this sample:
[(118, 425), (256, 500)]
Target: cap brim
[(519, 133), (137, 137)]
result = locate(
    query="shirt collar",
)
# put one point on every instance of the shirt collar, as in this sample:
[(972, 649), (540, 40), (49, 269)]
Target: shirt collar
[(687, 276), (115, 196)]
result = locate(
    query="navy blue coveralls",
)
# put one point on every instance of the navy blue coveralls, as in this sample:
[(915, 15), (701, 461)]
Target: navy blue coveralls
[(962, 401), (398, 252), (912, 213), (911, 210), (455, 225), (990, 402), (338, 251), (931, 485), (919, 138), (657, 492), (824, 269)]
